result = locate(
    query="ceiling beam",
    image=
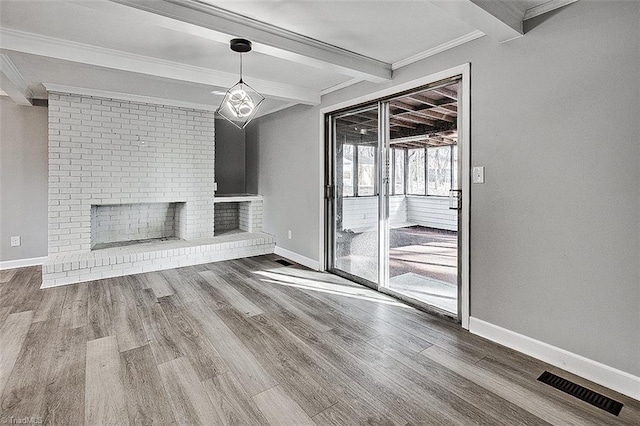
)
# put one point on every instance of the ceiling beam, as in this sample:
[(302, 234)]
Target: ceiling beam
[(108, 58), (193, 16), (12, 83), (546, 7), (495, 18)]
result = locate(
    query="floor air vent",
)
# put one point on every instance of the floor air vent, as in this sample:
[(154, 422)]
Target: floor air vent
[(284, 262), (587, 395)]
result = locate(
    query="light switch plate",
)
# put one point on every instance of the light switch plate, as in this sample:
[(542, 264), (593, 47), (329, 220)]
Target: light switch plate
[(477, 174)]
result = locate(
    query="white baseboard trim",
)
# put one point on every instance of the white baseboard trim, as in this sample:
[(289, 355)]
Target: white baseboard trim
[(21, 263), (298, 258), (602, 374)]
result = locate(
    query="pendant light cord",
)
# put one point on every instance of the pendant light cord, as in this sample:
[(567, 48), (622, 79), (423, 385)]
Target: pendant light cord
[(240, 67)]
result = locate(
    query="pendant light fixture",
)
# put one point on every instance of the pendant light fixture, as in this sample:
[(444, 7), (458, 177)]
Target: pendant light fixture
[(241, 102)]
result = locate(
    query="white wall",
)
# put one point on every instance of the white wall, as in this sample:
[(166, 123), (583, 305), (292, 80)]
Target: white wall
[(432, 212), (555, 230), (23, 180), (362, 212)]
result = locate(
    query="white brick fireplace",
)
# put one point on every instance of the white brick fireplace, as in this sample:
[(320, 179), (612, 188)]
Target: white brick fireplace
[(113, 224), (122, 171), (110, 152)]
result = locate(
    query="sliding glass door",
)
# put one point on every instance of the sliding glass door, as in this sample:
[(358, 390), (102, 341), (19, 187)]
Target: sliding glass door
[(392, 195), (355, 230)]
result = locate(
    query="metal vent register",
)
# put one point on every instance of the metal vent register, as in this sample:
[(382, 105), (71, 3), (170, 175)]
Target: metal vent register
[(587, 395)]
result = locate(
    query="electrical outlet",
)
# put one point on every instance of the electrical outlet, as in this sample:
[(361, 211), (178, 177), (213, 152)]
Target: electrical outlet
[(477, 174), (289, 234), (15, 241)]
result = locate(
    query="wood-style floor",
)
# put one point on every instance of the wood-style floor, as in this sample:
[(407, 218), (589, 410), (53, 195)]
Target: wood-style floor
[(251, 342)]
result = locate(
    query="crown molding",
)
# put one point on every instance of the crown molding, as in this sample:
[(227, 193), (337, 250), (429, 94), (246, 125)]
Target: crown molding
[(438, 49), (546, 7), (339, 86), (109, 58), (262, 113), (12, 82)]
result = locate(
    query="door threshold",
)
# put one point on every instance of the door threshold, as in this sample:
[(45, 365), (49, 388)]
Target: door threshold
[(424, 307)]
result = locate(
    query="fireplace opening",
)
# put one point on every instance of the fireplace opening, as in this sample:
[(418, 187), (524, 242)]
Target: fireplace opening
[(115, 225)]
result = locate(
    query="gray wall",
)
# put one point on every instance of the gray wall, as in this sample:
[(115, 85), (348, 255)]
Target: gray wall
[(23, 180), (555, 230), (230, 158), (283, 166)]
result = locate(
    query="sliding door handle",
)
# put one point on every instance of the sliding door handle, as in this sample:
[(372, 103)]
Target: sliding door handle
[(455, 199)]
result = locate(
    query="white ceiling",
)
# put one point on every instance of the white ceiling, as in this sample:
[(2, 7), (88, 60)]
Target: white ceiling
[(177, 51)]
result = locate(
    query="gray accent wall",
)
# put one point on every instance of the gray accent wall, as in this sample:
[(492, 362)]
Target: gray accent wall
[(230, 158), (23, 180), (555, 230), (283, 165)]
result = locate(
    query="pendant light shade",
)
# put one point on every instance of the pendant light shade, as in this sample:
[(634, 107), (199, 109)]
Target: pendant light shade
[(241, 101)]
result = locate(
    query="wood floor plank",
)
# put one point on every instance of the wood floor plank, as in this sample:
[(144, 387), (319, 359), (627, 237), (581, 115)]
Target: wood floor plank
[(7, 274), (422, 368), (26, 295), (208, 294), (127, 324), (51, 304), (12, 336), (180, 281), (288, 303), (275, 301), (65, 390), (24, 393), (280, 409), (13, 291), (231, 402), (247, 369), (366, 322), (146, 399), (341, 353), (492, 382), (188, 398), (201, 353), (157, 283), (5, 311), (104, 389), (282, 358), (75, 311), (100, 308), (343, 414), (443, 401), (392, 320), (231, 295), (336, 372), (156, 325), (570, 404), (362, 384)]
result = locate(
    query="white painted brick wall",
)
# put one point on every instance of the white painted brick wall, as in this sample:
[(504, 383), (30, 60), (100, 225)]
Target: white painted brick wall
[(128, 222), (250, 216), (108, 151), (226, 216)]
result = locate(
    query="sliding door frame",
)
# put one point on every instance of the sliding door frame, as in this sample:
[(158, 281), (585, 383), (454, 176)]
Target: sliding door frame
[(464, 153)]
